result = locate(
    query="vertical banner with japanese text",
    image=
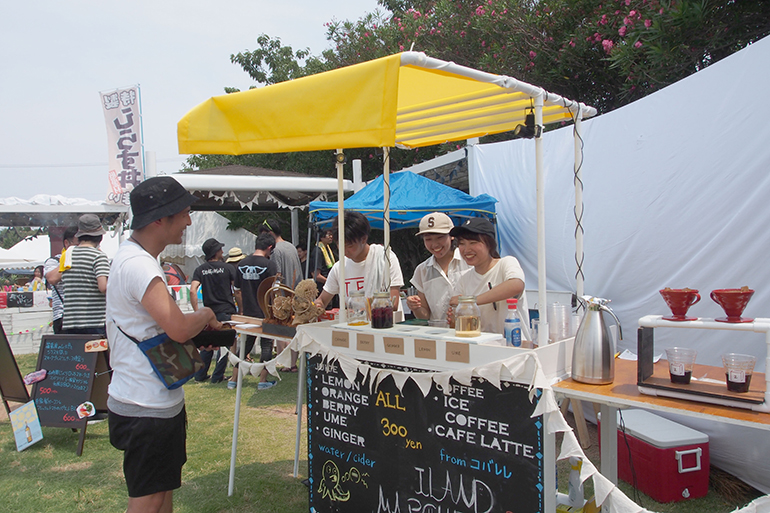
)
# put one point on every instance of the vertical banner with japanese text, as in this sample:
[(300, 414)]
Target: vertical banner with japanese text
[(122, 112)]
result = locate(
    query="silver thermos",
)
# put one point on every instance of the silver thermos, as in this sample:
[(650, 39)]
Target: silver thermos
[(593, 355)]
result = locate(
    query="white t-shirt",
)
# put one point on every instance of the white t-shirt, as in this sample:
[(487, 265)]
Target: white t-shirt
[(474, 284), (133, 380), (357, 273), (438, 286)]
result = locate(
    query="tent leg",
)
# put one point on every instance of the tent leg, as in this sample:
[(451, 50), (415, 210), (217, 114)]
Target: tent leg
[(234, 450), (300, 396)]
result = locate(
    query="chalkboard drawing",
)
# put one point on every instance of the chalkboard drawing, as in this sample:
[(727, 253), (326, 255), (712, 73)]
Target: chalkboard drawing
[(26, 426), (331, 482), (330, 485)]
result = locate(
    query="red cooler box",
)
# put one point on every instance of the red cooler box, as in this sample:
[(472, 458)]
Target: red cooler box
[(671, 461)]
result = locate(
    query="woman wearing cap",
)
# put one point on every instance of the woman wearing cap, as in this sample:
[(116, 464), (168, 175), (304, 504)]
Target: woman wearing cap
[(436, 278), (493, 279)]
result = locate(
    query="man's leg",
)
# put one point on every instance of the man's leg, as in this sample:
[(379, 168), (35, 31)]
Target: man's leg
[(203, 372), (161, 502)]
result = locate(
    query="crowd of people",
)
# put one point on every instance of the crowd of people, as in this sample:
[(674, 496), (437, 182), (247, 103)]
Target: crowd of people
[(129, 300)]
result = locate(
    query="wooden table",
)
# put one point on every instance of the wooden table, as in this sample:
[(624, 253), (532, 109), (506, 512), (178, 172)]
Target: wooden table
[(624, 393)]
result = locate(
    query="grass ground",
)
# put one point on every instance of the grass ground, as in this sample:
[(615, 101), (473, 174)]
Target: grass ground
[(49, 477)]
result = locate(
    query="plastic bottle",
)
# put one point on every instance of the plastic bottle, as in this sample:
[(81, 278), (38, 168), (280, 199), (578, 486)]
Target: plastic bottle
[(575, 487), (512, 325)]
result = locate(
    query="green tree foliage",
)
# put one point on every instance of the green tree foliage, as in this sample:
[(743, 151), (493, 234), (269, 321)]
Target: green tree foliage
[(605, 53)]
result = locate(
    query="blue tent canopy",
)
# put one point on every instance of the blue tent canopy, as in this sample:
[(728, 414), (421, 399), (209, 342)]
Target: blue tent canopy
[(411, 197)]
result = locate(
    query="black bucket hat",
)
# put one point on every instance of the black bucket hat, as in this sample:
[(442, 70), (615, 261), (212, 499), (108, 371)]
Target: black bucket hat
[(210, 248), (156, 198)]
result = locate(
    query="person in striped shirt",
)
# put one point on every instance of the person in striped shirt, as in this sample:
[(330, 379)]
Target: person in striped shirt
[(85, 282)]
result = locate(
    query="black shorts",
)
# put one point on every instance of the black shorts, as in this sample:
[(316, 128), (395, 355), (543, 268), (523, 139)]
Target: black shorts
[(154, 451)]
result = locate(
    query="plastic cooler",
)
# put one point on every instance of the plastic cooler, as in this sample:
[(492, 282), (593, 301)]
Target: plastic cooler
[(671, 461)]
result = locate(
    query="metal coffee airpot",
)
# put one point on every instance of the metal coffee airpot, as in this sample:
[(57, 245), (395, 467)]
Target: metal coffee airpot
[(593, 355)]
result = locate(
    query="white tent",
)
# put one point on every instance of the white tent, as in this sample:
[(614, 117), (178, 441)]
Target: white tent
[(675, 189), (189, 254), (31, 252)]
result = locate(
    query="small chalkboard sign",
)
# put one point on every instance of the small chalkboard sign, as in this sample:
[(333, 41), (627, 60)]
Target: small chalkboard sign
[(21, 299), (12, 386), (68, 383), (476, 448)]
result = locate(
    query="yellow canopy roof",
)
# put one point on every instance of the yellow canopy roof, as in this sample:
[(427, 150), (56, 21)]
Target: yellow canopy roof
[(408, 100)]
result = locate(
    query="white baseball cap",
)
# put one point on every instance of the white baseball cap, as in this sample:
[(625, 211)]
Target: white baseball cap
[(436, 222)]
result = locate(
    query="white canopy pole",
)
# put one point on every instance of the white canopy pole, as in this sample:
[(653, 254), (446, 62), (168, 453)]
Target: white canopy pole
[(579, 203), (386, 213), (341, 237), (542, 337)]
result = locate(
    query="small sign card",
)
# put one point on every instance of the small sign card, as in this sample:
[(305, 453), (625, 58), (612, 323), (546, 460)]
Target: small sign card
[(365, 342), (458, 352), (340, 339), (425, 348), (393, 345), (26, 426)]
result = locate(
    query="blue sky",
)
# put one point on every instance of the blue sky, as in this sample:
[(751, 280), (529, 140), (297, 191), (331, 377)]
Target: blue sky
[(57, 56)]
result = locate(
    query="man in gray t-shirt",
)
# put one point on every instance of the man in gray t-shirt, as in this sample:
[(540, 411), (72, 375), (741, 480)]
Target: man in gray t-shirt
[(284, 254)]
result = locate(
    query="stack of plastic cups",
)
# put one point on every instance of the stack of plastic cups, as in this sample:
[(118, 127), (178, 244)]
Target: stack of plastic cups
[(559, 320)]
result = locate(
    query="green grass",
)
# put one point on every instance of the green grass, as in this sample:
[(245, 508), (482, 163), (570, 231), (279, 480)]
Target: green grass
[(49, 477)]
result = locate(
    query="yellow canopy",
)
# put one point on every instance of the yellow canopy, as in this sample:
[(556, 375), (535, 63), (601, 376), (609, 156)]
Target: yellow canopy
[(408, 100)]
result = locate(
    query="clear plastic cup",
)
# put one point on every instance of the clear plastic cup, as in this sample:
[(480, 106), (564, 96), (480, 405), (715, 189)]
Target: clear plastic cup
[(738, 371), (438, 323), (536, 327), (680, 362)]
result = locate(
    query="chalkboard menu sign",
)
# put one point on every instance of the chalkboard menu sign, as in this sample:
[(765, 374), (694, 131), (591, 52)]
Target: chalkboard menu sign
[(475, 450), (68, 382), (21, 299)]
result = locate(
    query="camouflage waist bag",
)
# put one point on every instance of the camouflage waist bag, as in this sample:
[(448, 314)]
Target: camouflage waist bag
[(174, 362)]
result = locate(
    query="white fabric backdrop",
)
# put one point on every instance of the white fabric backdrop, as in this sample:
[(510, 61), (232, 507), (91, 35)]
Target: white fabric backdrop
[(676, 194)]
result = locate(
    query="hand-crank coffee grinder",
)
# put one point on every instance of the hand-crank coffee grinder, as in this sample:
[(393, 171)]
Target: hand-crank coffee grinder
[(593, 355)]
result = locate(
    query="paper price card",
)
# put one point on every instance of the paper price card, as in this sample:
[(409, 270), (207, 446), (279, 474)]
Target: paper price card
[(394, 345), (458, 352), (365, 342), (424, 348), (340, 339)]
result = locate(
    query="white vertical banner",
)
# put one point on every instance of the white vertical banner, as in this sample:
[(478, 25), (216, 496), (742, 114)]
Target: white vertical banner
[(123, 115)]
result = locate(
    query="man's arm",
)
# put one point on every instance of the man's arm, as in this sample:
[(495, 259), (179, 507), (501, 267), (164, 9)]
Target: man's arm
[(238, 295), (101, 282), (177, 325), (194, 294), (395, 298), (323, 299)]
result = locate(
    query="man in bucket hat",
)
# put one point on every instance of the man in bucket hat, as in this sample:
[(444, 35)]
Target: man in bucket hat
[(148, 421), (85, 280)]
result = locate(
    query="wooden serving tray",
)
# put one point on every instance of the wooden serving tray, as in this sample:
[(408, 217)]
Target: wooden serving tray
[(660, 379)]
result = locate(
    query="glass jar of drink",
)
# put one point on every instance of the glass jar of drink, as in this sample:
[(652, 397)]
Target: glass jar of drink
[(382, 311), (467, 317), (357, 314)]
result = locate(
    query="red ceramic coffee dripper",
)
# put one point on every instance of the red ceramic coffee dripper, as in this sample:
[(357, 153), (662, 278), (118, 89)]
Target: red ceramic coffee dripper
[(733, 302), (679, 301)]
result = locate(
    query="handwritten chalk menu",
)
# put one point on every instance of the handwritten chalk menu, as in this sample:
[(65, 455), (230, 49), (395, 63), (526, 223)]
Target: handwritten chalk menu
[(475, 450)]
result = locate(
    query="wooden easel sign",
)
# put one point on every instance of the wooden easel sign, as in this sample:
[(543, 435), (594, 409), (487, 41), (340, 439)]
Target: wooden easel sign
[(12, 386)]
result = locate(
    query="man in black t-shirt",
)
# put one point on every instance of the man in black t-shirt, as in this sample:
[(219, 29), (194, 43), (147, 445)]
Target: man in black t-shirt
[(250, 273), (216, 279)]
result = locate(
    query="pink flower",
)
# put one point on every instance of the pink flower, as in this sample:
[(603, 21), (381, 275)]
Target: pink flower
[(632, 13), (532, 54), (572, 43), (480, 11), (400, 49), (648, 23), (622, 31), (483, 43), (638, 44), (607, 45), (366, 34), (628, 2), (439, 24), (603, 20), (489, 2)]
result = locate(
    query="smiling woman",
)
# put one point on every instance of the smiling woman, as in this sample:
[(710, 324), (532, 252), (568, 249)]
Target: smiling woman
[(492, 279)]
